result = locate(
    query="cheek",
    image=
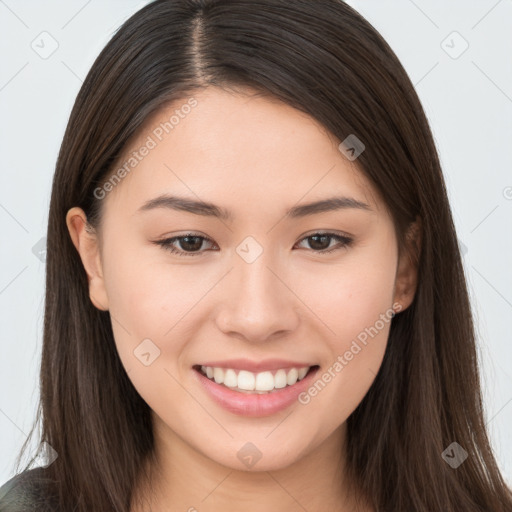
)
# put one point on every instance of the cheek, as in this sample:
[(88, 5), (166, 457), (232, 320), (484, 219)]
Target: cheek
[(151, 299), (148, 295), (148, 304), (350, 296), (354, 300)]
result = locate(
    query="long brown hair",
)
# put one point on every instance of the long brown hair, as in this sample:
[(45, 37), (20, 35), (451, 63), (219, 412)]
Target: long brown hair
[(325, 59)]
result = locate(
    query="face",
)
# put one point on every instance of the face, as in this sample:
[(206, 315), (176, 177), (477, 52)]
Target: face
[(255, 289)]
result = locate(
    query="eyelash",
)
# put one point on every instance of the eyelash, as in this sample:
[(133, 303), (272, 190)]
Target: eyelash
[(166, 244)]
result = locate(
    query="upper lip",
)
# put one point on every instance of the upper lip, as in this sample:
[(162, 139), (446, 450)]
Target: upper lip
[(256, 366)]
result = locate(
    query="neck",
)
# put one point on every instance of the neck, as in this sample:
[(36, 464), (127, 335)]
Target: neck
[(183, 479)]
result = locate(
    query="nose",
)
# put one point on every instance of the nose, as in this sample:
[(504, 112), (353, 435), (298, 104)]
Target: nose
[(258, 304)]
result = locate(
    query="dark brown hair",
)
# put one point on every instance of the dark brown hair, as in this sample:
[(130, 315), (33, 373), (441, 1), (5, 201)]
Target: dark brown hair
[(323, 58)]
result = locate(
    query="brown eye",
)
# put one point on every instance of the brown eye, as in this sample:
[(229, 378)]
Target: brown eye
[(320, 242), (189, 245)]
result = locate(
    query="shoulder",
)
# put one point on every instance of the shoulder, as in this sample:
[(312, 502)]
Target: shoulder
[(27, 492)]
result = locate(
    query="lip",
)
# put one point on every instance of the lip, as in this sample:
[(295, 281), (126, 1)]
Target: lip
[(255, 367), (255, 405)]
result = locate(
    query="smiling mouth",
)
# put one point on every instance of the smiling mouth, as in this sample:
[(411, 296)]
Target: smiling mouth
[(266, 382)]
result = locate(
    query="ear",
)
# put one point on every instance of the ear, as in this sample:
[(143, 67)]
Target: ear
[(406, 280), (86, 242)]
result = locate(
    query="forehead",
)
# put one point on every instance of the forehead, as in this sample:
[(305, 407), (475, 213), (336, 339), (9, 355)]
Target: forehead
[(235, 148)]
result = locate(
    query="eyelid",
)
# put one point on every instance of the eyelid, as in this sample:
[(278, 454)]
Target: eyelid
[(166, 243), (326, 232), (344, 240)]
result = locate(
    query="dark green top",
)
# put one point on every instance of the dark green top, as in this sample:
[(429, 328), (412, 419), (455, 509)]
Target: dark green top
[(27, 492)]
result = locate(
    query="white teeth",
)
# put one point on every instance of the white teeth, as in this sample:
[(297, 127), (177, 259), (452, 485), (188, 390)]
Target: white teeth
[(292, 376), (247, 381), (262, 382), (302, 373), (280, 379), (218, 375), (230, 379)]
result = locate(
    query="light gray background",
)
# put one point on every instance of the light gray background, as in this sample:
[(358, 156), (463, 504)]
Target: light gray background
[(467, 98)]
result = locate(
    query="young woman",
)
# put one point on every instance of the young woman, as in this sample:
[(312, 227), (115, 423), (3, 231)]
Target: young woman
[(255, 298)]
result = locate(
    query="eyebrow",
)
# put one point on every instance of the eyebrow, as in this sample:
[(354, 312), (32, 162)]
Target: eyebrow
[(212, 210)]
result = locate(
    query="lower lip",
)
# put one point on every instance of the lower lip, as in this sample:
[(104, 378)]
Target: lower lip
[(254, 405)]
